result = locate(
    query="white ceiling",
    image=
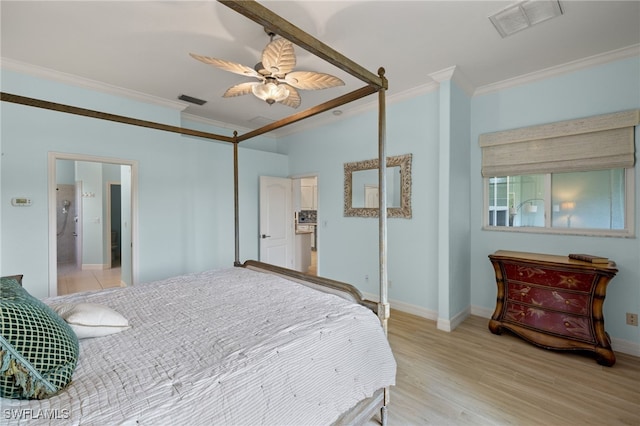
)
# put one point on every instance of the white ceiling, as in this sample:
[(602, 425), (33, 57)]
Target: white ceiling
[(143, 46)]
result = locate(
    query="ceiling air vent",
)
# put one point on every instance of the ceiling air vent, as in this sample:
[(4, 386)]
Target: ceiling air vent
[(524, 14), (192, 100)]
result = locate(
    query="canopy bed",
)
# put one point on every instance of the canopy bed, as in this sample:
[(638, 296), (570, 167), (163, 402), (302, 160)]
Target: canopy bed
[(326, 339)]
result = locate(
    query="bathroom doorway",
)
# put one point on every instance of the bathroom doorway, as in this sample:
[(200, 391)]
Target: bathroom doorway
[(92, 211)]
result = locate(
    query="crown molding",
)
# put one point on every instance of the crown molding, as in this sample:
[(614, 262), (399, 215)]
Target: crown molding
[(85, 83), (450, 73), (580, 64), (443, 75), (454, 74), (362, 107)]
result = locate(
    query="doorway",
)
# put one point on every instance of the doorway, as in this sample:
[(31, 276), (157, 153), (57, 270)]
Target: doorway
[(305, 204), (285, 242), (92, 217)]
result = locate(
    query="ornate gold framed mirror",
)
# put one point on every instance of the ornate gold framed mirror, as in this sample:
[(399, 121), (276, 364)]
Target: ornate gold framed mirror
[(361, 187)]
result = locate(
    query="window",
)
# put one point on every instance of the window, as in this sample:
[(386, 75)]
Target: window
[(570, 177), (588, 202), (518, 201)]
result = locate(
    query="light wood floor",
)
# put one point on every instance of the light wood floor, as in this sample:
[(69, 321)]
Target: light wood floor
[(473, 377), (73, 280), (313, 268)]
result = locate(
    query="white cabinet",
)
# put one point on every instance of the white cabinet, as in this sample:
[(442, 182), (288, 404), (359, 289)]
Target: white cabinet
[(308, 194)]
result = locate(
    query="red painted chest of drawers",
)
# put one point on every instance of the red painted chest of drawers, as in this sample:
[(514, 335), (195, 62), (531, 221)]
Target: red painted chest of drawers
[(553, 301)]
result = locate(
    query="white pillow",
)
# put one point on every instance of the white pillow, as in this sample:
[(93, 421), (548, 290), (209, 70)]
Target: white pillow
[(91, 319)]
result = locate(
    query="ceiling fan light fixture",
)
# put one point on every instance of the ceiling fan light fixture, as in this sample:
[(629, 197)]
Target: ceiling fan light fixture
[(278, 80), (270, 91)]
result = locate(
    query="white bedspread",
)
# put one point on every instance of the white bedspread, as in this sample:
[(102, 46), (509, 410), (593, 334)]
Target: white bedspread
[(227, 347)]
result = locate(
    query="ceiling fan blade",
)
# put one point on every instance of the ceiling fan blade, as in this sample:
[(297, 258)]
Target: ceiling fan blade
[(309, 80), (239, 89), (278, 57), (293, 100), (227, 66)]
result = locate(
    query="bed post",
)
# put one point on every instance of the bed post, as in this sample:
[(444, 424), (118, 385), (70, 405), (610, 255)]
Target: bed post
[(383, 307), (236, 206)]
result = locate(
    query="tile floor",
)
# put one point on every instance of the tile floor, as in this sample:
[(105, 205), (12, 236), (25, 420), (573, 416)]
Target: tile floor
[(73, 280)]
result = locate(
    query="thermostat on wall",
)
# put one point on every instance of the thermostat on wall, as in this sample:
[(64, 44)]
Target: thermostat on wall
[(21, 202)]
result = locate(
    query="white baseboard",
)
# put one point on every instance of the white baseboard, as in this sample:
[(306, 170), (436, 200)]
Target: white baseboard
[(450, 325), (93, 266), (405, 307), (481, 312), (625, 346), (619, 345)]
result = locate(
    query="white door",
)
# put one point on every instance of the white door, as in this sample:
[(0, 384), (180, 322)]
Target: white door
[(371, 199), (276, 221)]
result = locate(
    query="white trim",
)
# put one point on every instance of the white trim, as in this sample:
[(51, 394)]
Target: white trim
[(443, 75), (450, 325), (618, 345), (453, 73), (357, 108), (65, 78), (625, 346), (600, 59), (604, 58), (405, 307), (53, 249), (94, 266), (320, 120), (480, 311)]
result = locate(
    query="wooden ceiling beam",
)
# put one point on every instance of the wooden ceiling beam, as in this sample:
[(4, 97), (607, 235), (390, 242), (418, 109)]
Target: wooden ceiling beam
[(38, 103)]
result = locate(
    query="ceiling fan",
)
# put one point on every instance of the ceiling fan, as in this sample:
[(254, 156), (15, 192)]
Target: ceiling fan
[(278, 82)]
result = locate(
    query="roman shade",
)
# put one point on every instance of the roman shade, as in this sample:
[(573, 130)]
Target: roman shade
[(592, 143)]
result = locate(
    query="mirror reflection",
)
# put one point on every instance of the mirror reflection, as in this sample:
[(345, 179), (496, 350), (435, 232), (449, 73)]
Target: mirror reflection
[(365, 188), (361, 187)]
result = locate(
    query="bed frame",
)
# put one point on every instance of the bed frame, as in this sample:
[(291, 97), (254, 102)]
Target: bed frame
[(373, 83)]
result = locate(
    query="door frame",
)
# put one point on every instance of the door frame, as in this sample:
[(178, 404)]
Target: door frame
[(53, 249), (317, 234), (77, 225)]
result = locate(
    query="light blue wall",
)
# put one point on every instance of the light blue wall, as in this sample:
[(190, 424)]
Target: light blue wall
[(459, 199), (599, 90), (185, 189), (186, 196), (348, 246)]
